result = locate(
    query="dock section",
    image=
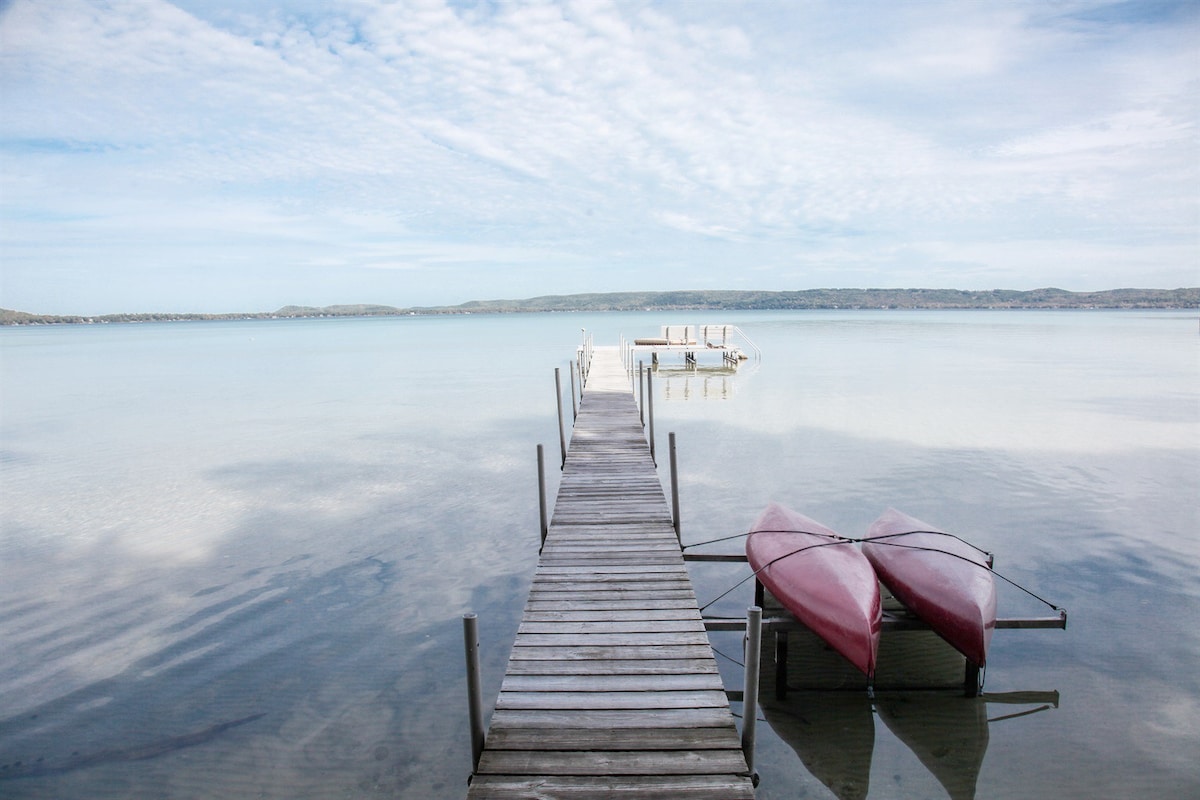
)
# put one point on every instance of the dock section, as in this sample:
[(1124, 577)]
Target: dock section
[(612, 689)]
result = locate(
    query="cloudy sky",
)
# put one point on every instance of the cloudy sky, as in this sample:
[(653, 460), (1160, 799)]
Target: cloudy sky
[(234, 155)]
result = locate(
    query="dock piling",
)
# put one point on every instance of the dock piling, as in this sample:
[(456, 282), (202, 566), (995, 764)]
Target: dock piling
[(674, 487), (650, 412), (642, 393), (474, 687), (574, 405), (562, 436), (541, 467), (750, 693)]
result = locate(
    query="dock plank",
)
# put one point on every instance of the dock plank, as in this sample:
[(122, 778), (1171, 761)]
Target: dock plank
[(591, 739), (612, 762), (607, 682), (604, 787), (613, 666)]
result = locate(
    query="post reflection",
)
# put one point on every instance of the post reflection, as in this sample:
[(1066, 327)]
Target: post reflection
[(684, 383)]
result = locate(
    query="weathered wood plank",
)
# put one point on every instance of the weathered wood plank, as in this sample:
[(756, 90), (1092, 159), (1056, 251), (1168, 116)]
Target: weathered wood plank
[(665, 580), (612, 588), (622, 626), (605, 787), (624, 604), (590, 739), (614, 615), (604, 719), (614, 569), (615, 595), (611, 762), (613, 666), (607, 682), (645, 700), (631, 558), (699, 639)]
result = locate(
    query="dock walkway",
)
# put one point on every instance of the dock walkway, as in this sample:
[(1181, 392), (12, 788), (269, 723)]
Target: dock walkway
[(611, 689)]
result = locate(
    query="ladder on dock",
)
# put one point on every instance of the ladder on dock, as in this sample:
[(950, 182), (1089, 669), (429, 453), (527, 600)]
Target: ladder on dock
[(611, 689)]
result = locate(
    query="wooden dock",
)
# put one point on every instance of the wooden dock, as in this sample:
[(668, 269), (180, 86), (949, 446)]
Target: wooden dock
[(611, 689)]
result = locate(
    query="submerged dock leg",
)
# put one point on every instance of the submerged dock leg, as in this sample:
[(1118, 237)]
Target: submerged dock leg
[(781, 665), (971, 680)]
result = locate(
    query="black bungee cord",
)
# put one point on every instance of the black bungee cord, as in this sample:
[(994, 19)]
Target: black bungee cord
[(838, 539), (1007, 580), (833, 541)]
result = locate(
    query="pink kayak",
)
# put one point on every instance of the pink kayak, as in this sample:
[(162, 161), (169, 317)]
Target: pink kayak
[(942, 580), (822, 579)]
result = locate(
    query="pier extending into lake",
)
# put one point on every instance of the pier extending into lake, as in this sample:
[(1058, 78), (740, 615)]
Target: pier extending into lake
[(611, 688)]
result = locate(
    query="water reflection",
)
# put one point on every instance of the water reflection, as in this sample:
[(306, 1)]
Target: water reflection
[(948, 734), (692, 382), (821, 707), (833, 733)]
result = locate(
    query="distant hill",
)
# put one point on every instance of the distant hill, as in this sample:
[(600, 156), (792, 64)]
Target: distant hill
[(715, 300), (844, 298)]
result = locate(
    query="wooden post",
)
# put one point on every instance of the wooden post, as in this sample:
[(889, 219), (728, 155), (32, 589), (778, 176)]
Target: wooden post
[(642, 392), (541, 464), (581, 354), (750, 693), (674, 487), (474, 687), (581, 385), (650, 412), (574, 409), (562, 437)]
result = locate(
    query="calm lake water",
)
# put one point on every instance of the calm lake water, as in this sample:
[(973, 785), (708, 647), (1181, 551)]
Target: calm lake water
[(235, 555)]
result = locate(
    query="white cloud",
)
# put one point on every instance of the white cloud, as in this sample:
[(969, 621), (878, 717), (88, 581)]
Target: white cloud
[(1134, 129), (600, 132)]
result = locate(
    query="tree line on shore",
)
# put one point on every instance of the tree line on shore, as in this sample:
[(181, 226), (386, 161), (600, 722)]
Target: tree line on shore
[(691, 300)]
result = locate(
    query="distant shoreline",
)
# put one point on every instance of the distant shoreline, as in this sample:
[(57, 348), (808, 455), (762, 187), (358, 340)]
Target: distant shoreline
[(809, 299)]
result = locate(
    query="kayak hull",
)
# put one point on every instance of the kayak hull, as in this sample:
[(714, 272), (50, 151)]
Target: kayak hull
[(822, 579), (940, 579)]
